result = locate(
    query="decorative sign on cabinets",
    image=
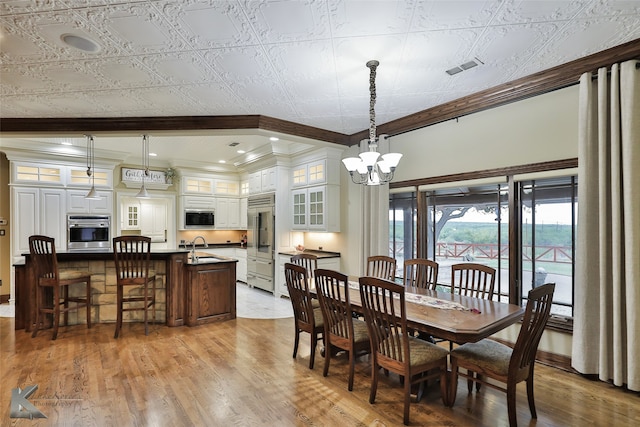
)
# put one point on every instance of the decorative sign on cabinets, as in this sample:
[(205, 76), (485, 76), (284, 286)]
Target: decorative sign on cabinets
[(132, 178)]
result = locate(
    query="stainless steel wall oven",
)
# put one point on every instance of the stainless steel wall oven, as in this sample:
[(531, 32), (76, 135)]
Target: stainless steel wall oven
[(88, 232)]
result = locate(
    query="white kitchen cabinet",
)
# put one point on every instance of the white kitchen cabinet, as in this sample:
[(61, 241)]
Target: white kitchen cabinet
[(197, 185), (199, 202), (255, 182), (78, 204), (329, 263), (310, 173), (269, 179), (310, 208), (241, 267), (130, 214), (153, 220), (263, 181), (37, 211), (227, 187), (243, 212), (281, 284), (227, 213)]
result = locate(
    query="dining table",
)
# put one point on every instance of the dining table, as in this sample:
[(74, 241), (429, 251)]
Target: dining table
[(449, 316)]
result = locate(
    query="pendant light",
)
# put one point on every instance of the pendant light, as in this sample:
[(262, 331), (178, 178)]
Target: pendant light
[(91, 169), (371, 168), (143, 194)]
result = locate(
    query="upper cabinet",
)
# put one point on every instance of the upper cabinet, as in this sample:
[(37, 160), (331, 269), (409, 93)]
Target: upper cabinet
[(263, 181), (311, 173), (315, 179), (197, 185), (78, 204), (310, 208)]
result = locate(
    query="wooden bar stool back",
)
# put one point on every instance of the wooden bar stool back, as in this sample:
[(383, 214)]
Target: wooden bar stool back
[(47, 276), (132, 258)]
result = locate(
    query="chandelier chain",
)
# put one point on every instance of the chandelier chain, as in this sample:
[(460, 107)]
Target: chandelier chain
[(372, 101)]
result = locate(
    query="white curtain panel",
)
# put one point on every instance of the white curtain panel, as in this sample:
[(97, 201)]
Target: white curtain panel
[(606, 332), (375, 224)]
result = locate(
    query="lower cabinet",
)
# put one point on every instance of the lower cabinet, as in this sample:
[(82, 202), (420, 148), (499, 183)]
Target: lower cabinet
[(211, 292)]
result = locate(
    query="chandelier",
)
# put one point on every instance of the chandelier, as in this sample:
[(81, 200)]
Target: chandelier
[(370, 168)]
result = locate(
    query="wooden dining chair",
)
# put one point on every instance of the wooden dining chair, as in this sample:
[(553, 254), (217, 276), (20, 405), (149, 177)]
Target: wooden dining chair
[(306, 317), (502, 363), (42, 250), (310, 262), (420, 273), (391, 346), (381, 266), (132, 256), (341, 330), (474, 280)]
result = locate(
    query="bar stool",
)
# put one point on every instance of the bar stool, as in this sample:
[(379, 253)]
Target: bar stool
[(46, 274), (132, 258)]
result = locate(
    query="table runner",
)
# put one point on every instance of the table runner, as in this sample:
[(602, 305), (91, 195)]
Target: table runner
[(428, 300)]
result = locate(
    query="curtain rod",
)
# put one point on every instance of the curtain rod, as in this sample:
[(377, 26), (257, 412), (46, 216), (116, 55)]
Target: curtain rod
[(594, 74)]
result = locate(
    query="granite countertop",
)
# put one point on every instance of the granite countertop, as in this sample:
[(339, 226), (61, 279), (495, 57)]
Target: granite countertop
[(212, 245), (318, 253)]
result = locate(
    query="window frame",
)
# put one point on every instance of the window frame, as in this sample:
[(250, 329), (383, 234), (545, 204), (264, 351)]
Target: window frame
[(558, 168)]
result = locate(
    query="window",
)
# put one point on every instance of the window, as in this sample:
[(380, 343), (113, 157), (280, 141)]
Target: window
[(547, 232), (403, 220), (469, 224), (463, 223)]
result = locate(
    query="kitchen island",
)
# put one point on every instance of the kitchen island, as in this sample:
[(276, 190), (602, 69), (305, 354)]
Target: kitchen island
[(175, 286)]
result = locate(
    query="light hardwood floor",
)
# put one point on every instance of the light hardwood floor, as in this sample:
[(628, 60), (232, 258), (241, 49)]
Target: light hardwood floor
[(241, 373)]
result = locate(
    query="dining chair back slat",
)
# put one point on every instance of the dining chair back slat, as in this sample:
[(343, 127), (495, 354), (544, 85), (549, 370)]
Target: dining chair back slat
[(474, 280), (381, 266), (420, 273)]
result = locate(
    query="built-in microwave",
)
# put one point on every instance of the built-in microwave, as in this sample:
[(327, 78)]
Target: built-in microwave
[(194, 218)]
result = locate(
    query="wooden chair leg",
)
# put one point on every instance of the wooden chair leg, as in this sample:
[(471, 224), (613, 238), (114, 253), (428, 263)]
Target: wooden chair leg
[(327, 357), (56, 311), (89, 303), (374, 381), (146, 309), (352, 367), (314, 344), (38, 307), (407, 399), (65, 301), (453, 384), (532, 404), (297, 340), (511, 405), (118, 311)]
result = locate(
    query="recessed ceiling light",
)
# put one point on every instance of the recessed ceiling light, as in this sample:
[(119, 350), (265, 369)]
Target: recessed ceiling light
[(153, 154), (240, 151), (79, 42), (222, 161), (66, 143), (273, 138)]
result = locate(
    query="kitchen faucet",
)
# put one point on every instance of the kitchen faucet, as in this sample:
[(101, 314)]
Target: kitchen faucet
[(194, 258)]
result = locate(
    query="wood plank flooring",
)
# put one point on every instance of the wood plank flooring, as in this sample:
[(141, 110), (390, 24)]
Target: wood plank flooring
[(241, 373)]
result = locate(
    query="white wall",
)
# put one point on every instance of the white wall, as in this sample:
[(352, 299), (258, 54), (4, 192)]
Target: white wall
[(538, 129)]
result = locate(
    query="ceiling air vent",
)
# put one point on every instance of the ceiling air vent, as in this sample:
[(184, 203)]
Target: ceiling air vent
[(467, 65), (233, 144)]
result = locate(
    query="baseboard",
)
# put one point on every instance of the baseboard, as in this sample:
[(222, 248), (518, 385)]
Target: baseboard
[(547, 358), (4, 299)]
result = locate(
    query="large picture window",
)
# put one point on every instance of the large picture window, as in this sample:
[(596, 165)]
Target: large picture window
[(473, 223)]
